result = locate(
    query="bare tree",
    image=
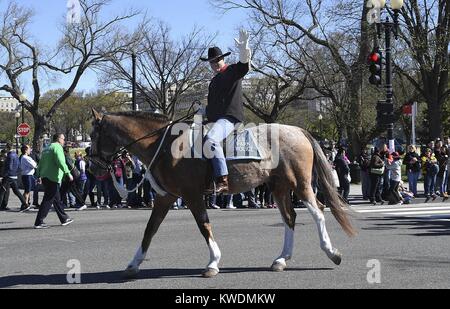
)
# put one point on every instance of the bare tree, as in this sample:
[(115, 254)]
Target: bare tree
[(315, 22), (277, 81), (167, 69), (427, 38), (84, 45)]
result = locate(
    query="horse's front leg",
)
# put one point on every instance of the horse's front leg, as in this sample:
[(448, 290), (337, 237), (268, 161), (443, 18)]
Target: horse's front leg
[(198, 209), (160, 210)]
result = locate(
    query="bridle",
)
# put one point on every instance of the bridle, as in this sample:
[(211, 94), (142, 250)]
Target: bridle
[(107, 163)]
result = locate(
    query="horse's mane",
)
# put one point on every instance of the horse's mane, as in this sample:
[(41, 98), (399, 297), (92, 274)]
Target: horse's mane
[(143, 115)]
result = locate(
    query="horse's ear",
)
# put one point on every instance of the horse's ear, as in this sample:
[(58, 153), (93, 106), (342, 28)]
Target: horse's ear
[(97, 116)]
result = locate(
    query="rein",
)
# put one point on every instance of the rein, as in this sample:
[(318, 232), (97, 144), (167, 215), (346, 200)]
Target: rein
[(107, 164)]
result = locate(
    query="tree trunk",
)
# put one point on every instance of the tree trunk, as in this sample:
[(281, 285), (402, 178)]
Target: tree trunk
[(40, 124), (435, 117)]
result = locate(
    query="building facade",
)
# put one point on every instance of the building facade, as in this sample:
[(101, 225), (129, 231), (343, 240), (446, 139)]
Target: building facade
[(8, 104)]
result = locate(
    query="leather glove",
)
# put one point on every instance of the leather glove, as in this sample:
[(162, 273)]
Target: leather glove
[(245, 53)]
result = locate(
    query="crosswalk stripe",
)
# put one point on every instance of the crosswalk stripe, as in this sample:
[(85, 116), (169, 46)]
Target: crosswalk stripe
[(384, 210), (413, 213)]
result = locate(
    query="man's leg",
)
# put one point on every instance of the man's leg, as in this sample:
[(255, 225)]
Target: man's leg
[(219, 132), (51, 189), (57, 204), (35, 192), (16, 191)]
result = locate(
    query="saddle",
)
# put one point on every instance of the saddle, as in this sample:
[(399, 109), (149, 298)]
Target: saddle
[(240, 145)]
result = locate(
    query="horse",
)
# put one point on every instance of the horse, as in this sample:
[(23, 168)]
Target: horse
[(297, 163)]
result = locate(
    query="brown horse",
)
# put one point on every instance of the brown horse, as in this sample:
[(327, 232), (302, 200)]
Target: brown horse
[(290, 165)]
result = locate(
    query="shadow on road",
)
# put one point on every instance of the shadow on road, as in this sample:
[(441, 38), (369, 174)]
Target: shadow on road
[(422, 226), (115, 277)]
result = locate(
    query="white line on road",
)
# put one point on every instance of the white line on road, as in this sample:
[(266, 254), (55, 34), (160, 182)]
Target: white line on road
[(65, 240), (384, 210), (423, 213)]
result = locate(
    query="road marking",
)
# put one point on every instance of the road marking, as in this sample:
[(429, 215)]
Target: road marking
[(65, 240), (413, 213), (392, 210)]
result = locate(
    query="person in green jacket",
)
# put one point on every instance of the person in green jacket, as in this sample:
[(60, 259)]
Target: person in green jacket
[(51, 170)]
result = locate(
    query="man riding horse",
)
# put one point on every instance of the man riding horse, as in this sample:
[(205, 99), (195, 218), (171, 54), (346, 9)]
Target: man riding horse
[(225, 105)]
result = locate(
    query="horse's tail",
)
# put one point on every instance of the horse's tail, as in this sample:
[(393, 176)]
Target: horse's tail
[(327, 186)]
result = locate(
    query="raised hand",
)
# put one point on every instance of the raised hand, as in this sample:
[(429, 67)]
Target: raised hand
[(245, 54)]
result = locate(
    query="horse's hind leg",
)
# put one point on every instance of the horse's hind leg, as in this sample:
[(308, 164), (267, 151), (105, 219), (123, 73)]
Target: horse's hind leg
[(160, 210), (283, 199), (198, 209), (308, 197)]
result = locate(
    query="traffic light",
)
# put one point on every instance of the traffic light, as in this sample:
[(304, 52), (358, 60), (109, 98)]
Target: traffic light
[(376, 67), (385, 113)]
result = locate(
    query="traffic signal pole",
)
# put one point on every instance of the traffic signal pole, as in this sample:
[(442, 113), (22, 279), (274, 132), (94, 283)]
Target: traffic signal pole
[(388, 27)]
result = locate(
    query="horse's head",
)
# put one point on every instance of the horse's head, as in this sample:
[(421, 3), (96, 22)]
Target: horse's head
[(104, 147)]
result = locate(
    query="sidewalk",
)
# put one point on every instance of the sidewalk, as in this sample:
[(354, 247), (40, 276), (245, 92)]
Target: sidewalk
[(355, 199)]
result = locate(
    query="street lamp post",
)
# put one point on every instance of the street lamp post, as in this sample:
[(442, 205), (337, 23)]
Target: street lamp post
[(17, 116), (320, 124), (133, 58), (389, 28)]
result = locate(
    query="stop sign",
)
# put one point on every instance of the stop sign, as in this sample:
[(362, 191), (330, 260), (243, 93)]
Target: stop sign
[(23, 129)]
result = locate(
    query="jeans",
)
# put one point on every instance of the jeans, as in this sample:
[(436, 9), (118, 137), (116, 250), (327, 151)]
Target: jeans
[(375, 188), (114, 197), (149, 194), (413, 178), (365, 184), (430, 180), (214, 150)]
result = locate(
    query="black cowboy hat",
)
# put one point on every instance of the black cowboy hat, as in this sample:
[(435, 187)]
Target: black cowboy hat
[(215, 53)]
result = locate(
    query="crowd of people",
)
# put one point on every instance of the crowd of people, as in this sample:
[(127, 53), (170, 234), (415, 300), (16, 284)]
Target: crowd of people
[(381, 172), (381, 179)]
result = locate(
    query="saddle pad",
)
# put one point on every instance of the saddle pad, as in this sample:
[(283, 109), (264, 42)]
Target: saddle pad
[(239, 145)]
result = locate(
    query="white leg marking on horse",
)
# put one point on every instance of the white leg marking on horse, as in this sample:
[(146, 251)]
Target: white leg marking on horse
[(325, 242), (214, 255), (288, 246), (139, 257)]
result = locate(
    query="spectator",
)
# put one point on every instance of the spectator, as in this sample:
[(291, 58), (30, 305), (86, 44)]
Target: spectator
[(115, 200), (28, 168), (149, 194), (135, 170), (11, 172), (376, 176), (52, 169), (413, 167), (36, 157), (386, 180), (2, 171), (70, 195), (341, 164), (364, 163), (406, 195), (430, 169), (90, 182), (80, 165), (441, 154), (395, 167)]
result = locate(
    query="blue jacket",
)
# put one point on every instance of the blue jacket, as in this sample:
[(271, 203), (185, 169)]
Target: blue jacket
[(12, 165)]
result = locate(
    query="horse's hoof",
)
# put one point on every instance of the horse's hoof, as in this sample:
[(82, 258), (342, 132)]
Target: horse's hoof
[(278, 267), (337, 258), (130, 273), (210, 273)]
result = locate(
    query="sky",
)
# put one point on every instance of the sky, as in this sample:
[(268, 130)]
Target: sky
[(181, 15)]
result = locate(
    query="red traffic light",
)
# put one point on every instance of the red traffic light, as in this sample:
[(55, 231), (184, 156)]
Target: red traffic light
[(374, 57)]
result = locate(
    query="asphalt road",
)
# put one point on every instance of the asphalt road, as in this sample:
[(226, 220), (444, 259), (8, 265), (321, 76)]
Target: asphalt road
[(410, 243)]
